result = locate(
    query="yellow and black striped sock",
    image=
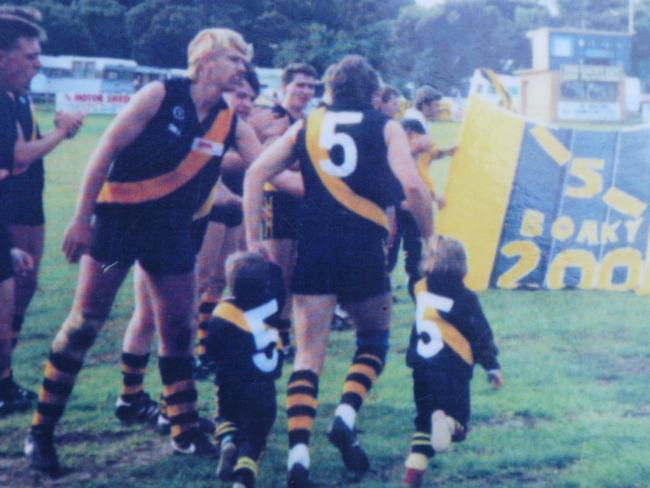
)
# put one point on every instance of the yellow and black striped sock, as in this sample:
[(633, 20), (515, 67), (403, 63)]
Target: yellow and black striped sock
[(134, 367), (245, 471), (421, 444), (224, 429), (302, 401), (180, 394), (207, 304), (58, 382), (16, 326), (367, 365)]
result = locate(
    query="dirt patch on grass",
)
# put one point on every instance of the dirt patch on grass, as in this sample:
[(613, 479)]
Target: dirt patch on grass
[(101, 466), (518, 420)]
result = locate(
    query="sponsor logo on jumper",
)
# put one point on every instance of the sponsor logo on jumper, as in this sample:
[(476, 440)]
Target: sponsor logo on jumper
[(207, 147)]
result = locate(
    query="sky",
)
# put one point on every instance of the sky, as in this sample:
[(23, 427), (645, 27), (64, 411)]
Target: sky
[(428, 3)]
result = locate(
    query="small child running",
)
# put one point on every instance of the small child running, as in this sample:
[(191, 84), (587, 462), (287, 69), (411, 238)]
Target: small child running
[(243, 343), (450, 334)]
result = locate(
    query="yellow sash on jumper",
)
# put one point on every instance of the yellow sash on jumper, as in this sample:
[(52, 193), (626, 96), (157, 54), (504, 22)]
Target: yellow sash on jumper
[(450, 334), (337, 188), (160, 186)]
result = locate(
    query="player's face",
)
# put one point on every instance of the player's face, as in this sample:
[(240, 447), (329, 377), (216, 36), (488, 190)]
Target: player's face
[(299, 92), (391, 107), (430, 110), (227, 68), (241, 100), (18, 65)]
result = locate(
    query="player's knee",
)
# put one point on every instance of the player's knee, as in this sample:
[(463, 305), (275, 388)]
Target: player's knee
[(374, 341), (77, 334), (177, 334)]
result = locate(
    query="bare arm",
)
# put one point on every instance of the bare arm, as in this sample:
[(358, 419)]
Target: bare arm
[(27, 152), (123, 130), (289, 181), (272, 161), (248, 145), (401, 162)]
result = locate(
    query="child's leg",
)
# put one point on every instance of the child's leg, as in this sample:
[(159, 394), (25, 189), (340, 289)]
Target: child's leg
[(424, 394), (226, 432), (254, 427), (455, 401)]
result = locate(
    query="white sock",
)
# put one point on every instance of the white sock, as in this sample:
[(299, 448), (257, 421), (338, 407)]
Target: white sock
[(347, 414), (298, 454)]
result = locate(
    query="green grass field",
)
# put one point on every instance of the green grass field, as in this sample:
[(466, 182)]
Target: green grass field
[(574, 411)]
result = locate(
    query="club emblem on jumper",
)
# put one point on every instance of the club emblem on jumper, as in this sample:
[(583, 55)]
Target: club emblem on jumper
[(178, 113)]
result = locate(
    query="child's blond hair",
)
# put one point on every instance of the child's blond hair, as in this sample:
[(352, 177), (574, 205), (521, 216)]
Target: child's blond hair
[(445, 256)]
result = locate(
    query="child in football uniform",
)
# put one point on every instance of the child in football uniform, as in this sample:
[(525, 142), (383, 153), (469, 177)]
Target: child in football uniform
[(450, 334), (243, 342)]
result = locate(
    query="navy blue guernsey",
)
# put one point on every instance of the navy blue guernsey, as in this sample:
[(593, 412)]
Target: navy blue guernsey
[(242, 339), (171, 167), (280, 111), (8, 137), (451, 332), (343, 160), (29, 127)]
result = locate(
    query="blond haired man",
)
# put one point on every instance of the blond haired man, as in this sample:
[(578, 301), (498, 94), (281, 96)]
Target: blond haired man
[(150, 174)]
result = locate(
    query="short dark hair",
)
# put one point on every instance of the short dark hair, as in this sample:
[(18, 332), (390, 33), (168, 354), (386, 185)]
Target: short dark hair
[(13, 27), (388, 92), (250, 77), (354, 81), (425, 95), (291, 70), (247, 273), (413, 125)]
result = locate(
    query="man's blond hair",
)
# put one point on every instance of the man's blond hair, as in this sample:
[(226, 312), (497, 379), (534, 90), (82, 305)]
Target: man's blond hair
[(213, 41)]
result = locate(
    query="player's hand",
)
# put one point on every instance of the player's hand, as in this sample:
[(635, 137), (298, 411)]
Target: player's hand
[(495, 378), (4, 173), (267, 124), (451, 151), (76, 240), (22, 261), (421, 143), (69, 122)]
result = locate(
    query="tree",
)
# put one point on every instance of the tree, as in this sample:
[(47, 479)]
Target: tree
[(165, 41), (66, 33), (594, 14), (443, 45), (641, 40), (105, 22)]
